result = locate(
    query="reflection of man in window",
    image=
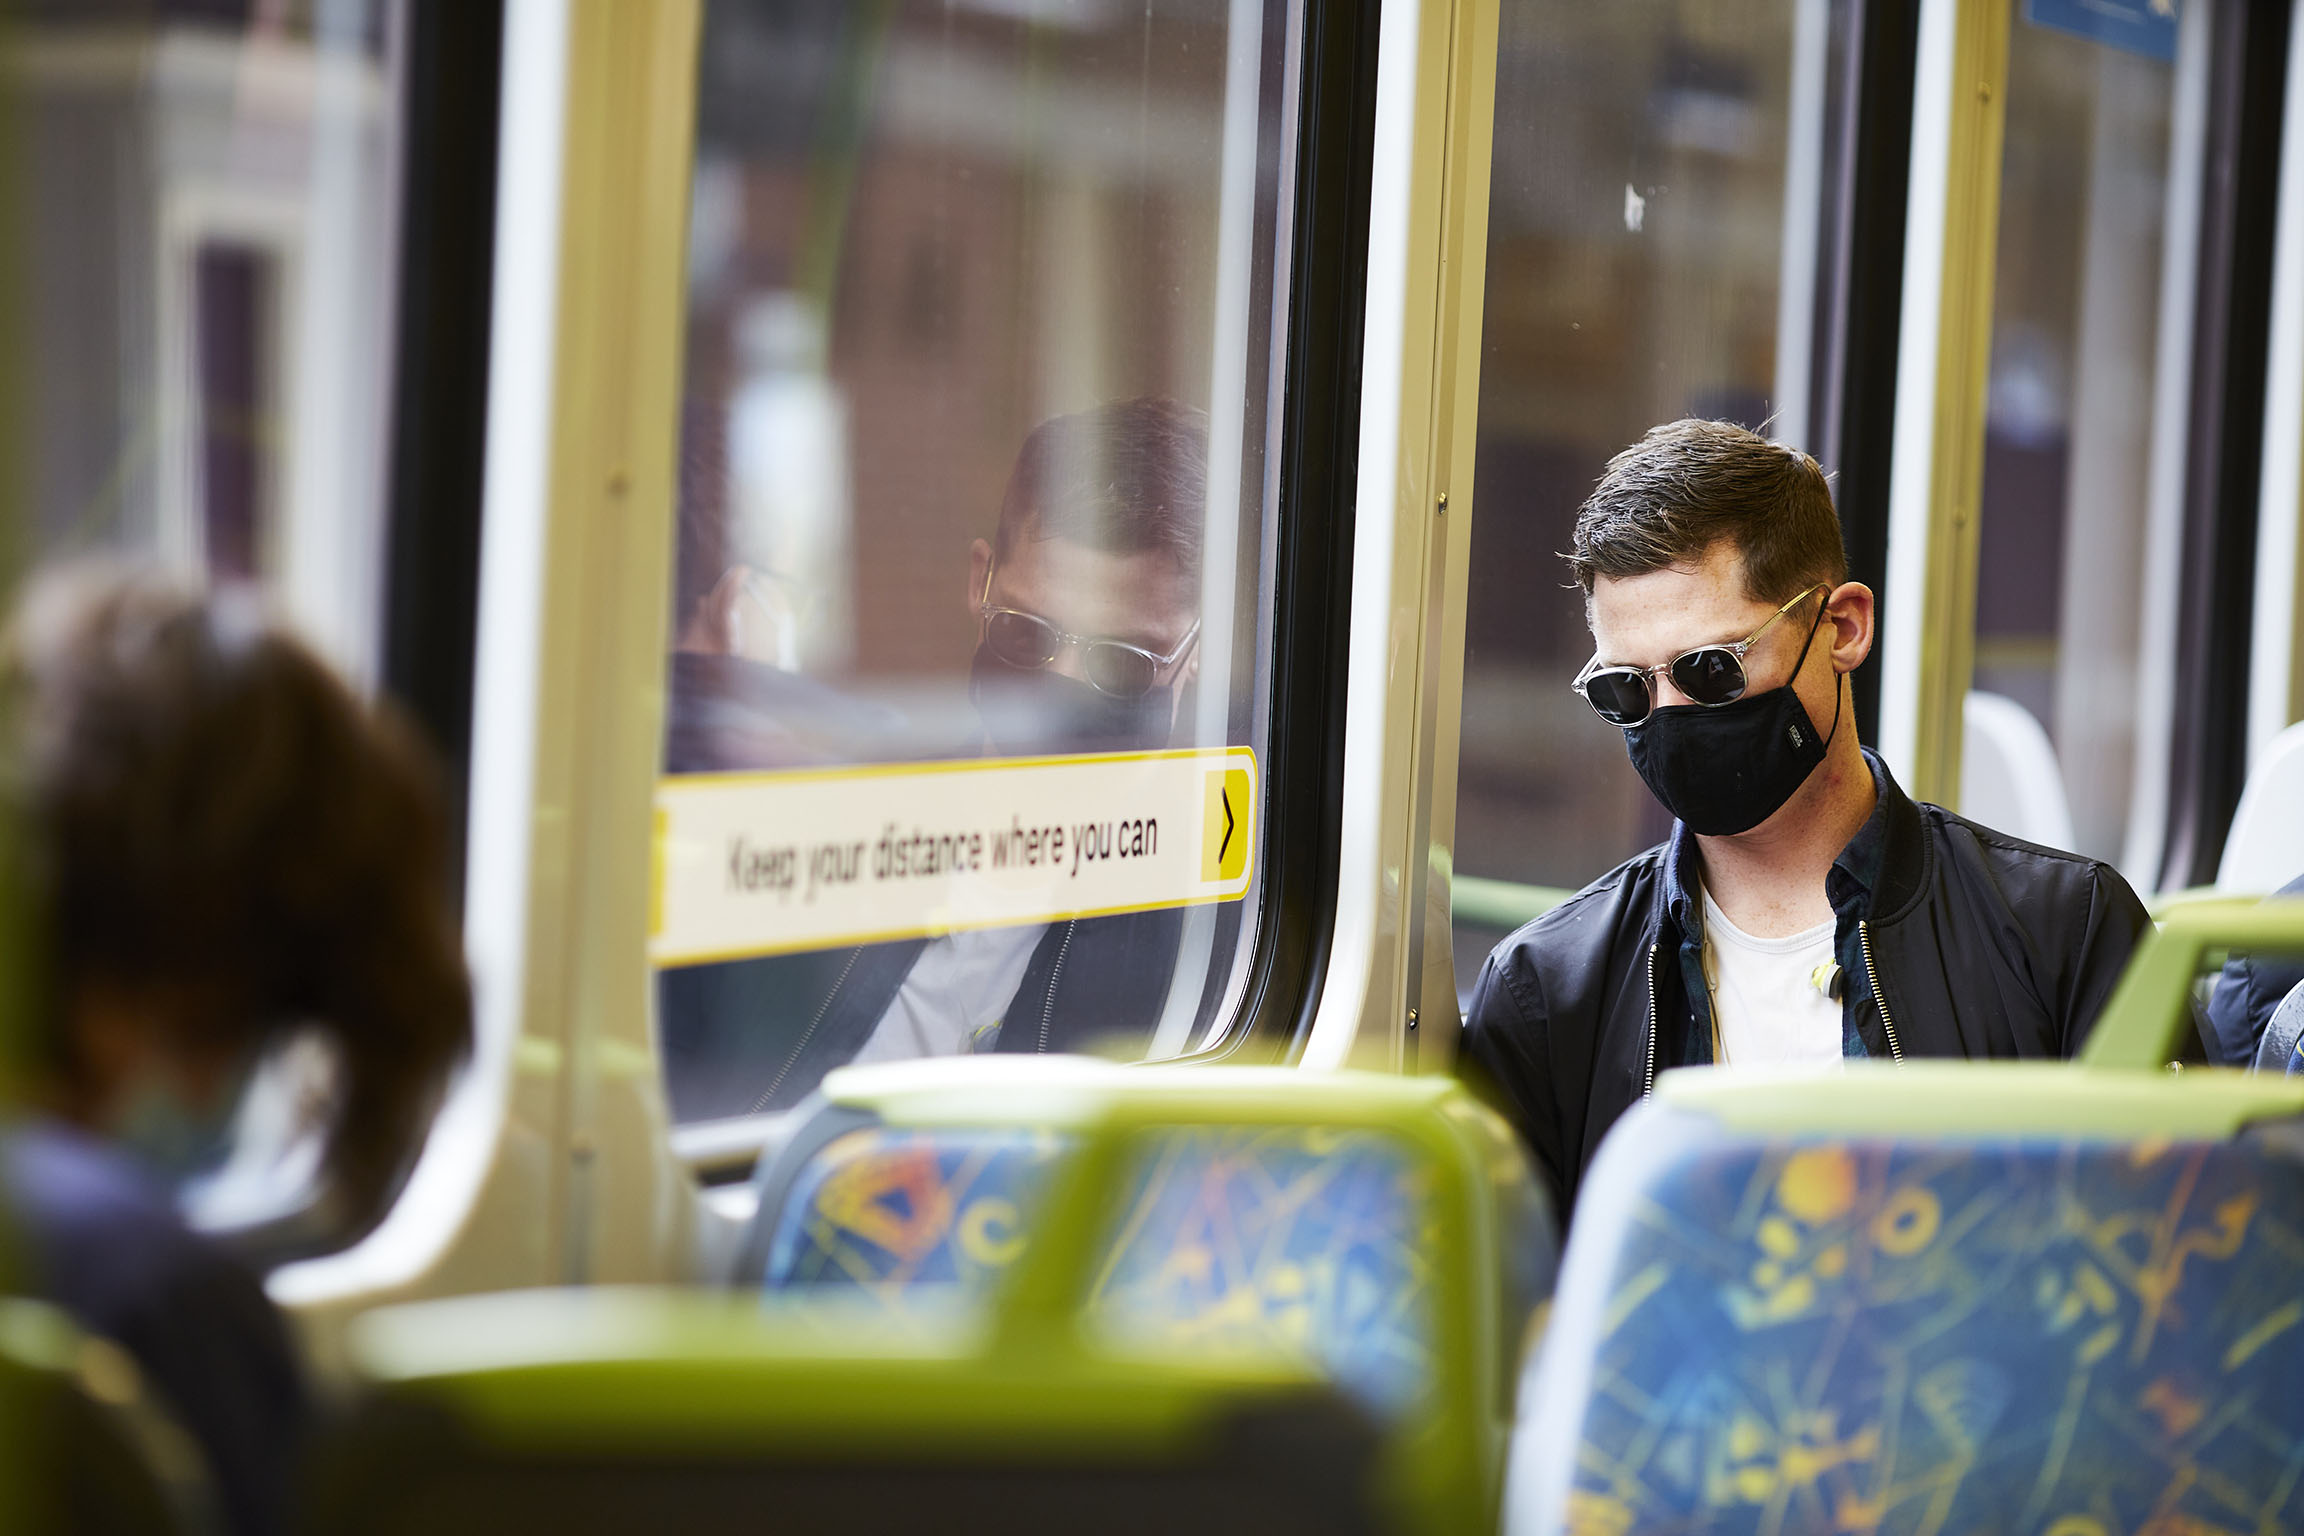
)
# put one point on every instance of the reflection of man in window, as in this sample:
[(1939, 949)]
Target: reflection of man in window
[(1087, 599), (1086, 602)]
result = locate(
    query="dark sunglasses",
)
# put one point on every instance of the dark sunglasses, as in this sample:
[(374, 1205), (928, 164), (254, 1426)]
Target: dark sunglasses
[(1114, 667), (1711, 675)]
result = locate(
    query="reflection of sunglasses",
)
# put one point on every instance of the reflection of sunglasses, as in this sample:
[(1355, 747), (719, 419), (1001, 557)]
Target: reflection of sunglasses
[(1710, 675), (1115, 667)]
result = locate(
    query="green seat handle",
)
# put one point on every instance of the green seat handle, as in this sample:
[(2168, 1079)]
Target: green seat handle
[(2142, 1024)]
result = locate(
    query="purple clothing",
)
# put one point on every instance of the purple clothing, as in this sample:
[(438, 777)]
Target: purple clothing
[(106, 1244)]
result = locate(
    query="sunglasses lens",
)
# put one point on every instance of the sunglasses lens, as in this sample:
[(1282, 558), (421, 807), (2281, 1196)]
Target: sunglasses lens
[(1712, 675), (1620, 698), (1120, 670), (1021, 640)]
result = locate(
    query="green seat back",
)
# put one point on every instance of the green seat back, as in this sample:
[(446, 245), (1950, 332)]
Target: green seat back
[(91, 1450), (1069, 1292)]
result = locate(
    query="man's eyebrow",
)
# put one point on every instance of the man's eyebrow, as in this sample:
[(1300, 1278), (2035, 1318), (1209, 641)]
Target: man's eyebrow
[(1158, 645), (1677, 651), (1133, 633), (1683, 648)]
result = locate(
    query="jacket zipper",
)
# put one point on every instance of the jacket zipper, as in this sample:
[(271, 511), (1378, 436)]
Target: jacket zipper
[(1055, 974), (1872, 972), (1650, 1090), (809, 1033)]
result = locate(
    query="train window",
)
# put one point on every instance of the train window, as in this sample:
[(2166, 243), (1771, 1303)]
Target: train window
[(2069, 491), (1654, 228), (970, 623), (206, 205)]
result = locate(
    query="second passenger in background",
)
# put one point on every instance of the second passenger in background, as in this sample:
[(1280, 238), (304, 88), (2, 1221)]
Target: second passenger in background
[(229, 848), (1085, 602), (1804, 909)]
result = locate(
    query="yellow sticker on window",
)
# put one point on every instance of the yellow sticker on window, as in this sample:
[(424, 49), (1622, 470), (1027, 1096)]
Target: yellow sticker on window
[(1224, 827), (769, 863)]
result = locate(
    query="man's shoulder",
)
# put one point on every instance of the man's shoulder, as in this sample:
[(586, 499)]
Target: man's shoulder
[(71, 1182), (106, 1241), (2007, 851), (1589, 921), (2044, 888)]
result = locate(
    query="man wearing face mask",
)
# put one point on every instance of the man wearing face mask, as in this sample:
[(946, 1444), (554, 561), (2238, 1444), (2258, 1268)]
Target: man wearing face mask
[(1085, 602), (1804, 909)]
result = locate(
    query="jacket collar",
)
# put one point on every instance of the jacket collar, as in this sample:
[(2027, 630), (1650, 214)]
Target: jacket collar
[(1683, 881), (1881, 871), (1876, 875)]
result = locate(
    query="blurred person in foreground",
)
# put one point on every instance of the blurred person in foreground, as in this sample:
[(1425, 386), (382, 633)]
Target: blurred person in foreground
[(1804, 909), (1086, 602), (226, 845)]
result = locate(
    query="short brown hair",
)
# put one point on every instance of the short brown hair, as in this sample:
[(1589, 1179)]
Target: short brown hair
[(1689, 485), (1127, 477), (213, 815)]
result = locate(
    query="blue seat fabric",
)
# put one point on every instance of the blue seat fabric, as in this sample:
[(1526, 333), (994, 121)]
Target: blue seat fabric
[(1230, 1237), (2081, 1339)]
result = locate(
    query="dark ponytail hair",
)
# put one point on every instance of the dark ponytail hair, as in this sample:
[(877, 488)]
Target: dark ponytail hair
[(215, 818)]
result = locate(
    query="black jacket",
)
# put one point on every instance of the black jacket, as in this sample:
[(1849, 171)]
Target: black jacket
[(2248, 990), (1955, 941)]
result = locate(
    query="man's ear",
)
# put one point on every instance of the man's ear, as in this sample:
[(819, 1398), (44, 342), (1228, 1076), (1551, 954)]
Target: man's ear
[(979, 572), (1850, 609)]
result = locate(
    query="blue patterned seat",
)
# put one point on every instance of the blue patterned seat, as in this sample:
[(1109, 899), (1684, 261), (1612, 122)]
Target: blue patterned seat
[(2066, 1336), (1384, 1230), (1230, 1237)]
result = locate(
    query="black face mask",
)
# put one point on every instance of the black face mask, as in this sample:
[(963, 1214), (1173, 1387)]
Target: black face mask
[(1028, 712), (1726, 768)]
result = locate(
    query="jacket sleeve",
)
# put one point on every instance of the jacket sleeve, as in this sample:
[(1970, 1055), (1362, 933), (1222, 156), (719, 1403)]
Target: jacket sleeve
[(2116, 922), (2247, 992), (2281, 1051), (2237, 1012), (1504, 1059)]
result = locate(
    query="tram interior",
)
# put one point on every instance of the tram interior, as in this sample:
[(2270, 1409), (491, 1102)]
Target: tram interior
[(817, 761)]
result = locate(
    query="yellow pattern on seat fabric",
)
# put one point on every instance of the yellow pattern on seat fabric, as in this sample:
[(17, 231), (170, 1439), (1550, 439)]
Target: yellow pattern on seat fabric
[(2085, 1337)]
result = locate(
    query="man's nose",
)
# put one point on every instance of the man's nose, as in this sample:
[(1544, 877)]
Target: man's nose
[(1070, 661), (1667, 692)]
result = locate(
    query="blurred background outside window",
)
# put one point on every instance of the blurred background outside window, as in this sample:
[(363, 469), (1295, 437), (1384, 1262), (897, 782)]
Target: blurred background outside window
[(208, 190), (2060, 592)]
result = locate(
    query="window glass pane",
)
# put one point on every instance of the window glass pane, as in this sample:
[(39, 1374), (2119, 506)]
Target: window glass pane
[(2068, 435), (207, 205), (1637, 272), (975, 469)]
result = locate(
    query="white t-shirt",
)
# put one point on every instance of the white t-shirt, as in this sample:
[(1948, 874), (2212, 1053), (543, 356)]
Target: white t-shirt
[(1768, 1009), (961, 983)]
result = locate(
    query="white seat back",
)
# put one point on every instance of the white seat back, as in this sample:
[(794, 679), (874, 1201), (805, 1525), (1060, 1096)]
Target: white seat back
[(2009, 778), (2265, 848)]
